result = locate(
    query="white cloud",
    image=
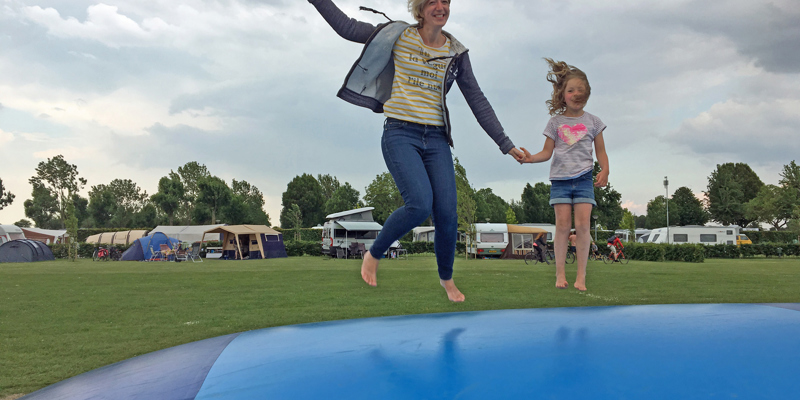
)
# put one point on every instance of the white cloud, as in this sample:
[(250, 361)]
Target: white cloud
[(6, 138)]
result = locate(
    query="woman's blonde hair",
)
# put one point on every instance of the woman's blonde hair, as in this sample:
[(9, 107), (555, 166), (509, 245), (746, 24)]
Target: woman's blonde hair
[(560, 73), (415, 8)]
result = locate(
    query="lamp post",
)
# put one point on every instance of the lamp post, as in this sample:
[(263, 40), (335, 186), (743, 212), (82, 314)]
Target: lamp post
[(666, 200), (594, 217)]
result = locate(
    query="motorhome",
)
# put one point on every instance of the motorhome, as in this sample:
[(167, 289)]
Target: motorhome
[(347, 227), (624, 234), (490, 240), (423, 234), (10, 232), (710, 235)]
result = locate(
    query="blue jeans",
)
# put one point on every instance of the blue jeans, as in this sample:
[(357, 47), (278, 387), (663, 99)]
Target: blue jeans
[(419, 159)]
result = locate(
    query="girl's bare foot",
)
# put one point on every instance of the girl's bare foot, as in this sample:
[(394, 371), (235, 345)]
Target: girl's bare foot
[(580, 284), (562, 283), (369, 269), (452, 291)]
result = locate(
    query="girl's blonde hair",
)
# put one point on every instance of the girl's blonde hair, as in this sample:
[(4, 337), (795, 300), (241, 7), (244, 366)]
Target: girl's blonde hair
[(560, 73), (415, 8)]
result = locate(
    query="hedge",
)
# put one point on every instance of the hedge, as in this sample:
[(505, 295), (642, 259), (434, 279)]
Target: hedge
[(772, 236), (665, 252)]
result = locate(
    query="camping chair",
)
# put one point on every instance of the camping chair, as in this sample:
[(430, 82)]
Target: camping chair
[(155, 255), (194, 254), (181, 253), (166, 252), (357, 250), (400, 252)]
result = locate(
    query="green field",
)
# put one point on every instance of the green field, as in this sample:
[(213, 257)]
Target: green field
[(59, 319)]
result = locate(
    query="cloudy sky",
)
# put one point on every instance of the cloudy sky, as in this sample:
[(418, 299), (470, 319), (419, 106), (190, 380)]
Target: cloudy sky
[(132, 89)]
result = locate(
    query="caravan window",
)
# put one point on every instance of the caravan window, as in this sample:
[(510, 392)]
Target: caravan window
[(729, 233), (680, 238), (708, 237), (655, 238), (492, 237), (523, 241), (341, 234)]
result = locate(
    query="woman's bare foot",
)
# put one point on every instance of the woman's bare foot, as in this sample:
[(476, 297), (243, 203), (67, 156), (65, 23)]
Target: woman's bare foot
[(452, 291), (369, 269)]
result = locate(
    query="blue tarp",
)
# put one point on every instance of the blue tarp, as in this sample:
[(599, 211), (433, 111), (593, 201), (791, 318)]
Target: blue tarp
[(142, 248)]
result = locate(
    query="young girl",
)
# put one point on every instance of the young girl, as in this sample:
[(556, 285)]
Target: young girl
[(569, 136)]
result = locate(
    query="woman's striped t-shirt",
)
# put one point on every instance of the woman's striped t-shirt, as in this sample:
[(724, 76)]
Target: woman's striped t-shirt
[(417, 87)]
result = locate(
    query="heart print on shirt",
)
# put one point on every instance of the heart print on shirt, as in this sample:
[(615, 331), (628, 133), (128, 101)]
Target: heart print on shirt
[(572, 134)]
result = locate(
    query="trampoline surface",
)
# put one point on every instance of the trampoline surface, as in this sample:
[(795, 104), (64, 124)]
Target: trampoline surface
[(689, 351)]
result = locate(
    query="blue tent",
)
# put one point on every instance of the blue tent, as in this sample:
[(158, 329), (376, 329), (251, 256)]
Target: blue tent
[(25, 250), (142, 248)]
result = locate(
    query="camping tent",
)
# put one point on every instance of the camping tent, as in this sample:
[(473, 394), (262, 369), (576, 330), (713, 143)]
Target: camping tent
[(142, 248), (121, 237), (25, 250), (520, 240), (46, 236), (250, 242), (188, 233)]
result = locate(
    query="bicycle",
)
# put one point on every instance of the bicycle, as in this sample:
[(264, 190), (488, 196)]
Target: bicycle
[(532, 257), (620, 257), (100, 254)]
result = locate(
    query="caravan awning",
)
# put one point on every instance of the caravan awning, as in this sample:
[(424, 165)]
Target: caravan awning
[(524, 229), (360, 225)]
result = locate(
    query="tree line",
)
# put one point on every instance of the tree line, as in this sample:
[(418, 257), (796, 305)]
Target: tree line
[(193, 196), (190, 196)]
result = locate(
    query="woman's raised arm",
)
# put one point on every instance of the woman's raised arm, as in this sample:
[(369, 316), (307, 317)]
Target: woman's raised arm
[(348, 28)]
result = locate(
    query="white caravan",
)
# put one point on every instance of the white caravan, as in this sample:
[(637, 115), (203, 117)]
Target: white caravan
[(695, 234), (10, 232), (423, 234), (624, 234), (347, 227), (490, 240)]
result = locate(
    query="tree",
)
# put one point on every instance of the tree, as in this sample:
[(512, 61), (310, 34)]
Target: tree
[(294, 220), (730, 187), (641, 221), (790, 180), (61, 179), (466, 208), (609, 204), (169, 196), (382, 193), (253, 202), (146, 217), (656, 213), (490, 206), (190, 175), (42, 208), (329, 184), (511, 218), (305, 191), (629, 223), (773, 205), (130, 199), (343, 198), (535, 203), (6, 197), (214, 193), (23, 223), (686, 209), (102, 205)]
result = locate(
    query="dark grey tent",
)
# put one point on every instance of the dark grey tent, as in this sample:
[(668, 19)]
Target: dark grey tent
[(25, 250)]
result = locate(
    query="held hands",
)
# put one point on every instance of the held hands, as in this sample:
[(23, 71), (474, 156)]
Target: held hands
[(526, 156), (517, 154), (601, 179)]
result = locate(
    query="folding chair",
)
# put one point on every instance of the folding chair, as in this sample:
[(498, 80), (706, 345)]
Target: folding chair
[(155, 255), (357, 250), (181, 253), (194, 254), (166, 252)]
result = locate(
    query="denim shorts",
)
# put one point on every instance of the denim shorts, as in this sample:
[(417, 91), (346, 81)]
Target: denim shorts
[(573, 191)]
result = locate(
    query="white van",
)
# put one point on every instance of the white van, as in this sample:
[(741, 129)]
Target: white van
[(10, 232), (490, 240), (711, 235)]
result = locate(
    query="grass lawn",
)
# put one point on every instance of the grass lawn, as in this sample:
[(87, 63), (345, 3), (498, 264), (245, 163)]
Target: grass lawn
[(59, 319)]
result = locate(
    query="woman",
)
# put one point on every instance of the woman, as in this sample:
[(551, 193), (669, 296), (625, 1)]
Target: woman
[(405, 72)]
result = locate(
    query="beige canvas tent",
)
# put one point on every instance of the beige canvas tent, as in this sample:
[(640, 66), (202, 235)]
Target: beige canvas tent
[(121, 237), (520, 240), (241, 242)]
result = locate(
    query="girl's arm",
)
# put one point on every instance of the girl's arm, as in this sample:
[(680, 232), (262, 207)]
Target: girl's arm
[(602, 159), (348, 28), (544, 155)]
